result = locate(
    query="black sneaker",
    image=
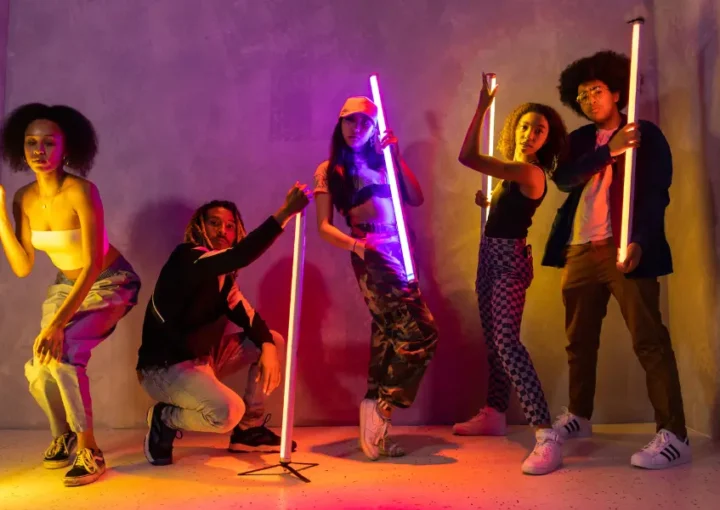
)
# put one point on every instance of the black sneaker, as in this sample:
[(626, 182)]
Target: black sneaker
[(89, 465), (158, 444), (254, 437), (60, 450)]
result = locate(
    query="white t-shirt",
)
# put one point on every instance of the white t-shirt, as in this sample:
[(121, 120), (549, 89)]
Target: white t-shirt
[(592, 218)]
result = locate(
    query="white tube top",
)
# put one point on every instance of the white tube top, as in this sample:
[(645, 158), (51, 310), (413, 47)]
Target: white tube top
[(64, 247)]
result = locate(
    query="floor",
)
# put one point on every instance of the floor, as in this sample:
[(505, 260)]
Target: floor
[(442, 471)]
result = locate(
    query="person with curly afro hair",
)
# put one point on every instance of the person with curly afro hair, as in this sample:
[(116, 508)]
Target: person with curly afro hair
[(531, 142), (60, 212), (199, 327), (584, 241)]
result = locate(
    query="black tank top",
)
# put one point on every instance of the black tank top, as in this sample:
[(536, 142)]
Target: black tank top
[(511, 212)]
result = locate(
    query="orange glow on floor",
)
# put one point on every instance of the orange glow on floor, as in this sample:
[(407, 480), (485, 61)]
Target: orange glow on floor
[(441, 471)]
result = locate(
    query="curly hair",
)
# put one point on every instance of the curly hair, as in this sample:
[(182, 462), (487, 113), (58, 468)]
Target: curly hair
[(552, 151), (81, 143), (609, 67), (196, 232), (341, 169)]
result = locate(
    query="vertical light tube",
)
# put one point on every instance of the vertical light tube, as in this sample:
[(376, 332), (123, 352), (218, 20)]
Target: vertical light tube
[(629, 182), (392, 181), (292, 339)]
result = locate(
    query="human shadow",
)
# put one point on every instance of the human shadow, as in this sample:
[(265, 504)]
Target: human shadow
[(458, 363), (156, 229), (323, 363)]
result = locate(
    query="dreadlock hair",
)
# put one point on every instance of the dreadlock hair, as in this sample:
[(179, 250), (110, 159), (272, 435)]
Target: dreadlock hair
[(341, 168), (196, 233), (81, 143), (552, 151), (609, 67)]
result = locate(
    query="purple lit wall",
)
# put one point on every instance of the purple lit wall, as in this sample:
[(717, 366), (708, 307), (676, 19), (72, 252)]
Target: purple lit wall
[(202, 99)]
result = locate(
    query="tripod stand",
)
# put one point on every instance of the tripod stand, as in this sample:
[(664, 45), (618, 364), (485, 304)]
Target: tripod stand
[(289, 388)]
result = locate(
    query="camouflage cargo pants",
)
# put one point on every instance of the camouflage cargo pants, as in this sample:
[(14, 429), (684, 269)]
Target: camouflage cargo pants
[(403, 332)]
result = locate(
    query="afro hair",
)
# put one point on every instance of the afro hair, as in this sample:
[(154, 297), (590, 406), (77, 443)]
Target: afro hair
[(609, 67)]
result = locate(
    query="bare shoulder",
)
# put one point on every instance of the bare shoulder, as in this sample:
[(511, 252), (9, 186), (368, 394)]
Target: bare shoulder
[(26, 194), (81, 194), (79, 188)]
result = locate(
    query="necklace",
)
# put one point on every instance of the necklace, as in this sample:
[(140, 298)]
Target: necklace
[(47, 202)]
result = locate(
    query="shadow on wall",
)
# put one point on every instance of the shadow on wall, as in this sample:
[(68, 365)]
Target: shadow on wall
[(325, 366), (708, 47), (157, 228), (454, 361)]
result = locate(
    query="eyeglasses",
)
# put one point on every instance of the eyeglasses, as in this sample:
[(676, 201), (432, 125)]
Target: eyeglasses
[(588, 95)]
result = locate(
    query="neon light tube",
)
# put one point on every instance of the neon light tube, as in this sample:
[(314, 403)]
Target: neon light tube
[(392, 181)]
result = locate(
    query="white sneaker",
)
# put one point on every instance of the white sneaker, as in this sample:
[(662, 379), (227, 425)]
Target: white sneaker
[(571, 426), (373, 428), (664, 451), (488, 422), (546, 457)]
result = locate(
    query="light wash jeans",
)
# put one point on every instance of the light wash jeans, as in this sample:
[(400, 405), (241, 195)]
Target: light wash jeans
[(198, 400), (62, 389)]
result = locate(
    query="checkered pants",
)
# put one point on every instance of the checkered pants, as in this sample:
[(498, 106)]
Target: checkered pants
[(505, 271)]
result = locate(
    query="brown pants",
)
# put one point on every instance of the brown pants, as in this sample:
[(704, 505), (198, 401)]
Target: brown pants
[(590, 277)]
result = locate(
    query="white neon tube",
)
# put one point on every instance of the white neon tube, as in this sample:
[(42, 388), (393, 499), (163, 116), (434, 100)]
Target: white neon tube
[(292, 339), (629, 182), (392, 181), (490, 142)]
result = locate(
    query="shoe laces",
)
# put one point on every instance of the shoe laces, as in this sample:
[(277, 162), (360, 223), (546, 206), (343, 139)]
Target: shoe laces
[(543, 446), (565, 417), (86, 460), (58, 444), (484, 413), (658, 441)]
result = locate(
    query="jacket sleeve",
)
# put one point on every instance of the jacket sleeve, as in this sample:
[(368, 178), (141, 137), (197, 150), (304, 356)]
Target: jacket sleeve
[(579, 167), (244, 253), (653, 177), (241, 312)]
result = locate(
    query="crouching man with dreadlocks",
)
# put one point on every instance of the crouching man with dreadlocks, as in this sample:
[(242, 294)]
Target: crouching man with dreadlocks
[(190, 334)]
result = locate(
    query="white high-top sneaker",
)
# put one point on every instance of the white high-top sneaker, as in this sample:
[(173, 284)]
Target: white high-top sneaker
[(570, 426), (664, 451), (373, 428), (488, 422), (546, 457)]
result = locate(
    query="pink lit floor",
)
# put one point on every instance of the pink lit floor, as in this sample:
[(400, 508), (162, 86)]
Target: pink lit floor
[(442, 471)]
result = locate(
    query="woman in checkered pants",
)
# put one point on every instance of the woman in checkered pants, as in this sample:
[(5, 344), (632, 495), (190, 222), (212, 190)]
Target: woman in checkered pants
[(532, 141)]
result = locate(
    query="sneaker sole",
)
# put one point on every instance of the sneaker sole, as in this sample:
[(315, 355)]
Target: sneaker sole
[(656, 467), (146, 444), (540, 472), (85, 480), (55, 464), (367, 453)]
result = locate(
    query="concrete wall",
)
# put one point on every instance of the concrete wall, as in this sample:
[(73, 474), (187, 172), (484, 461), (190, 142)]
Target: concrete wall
[(196, 100), (688, 46)]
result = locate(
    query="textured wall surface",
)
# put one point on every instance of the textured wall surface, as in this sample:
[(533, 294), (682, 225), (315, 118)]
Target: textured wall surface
[(195, 100), (689, 81)]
